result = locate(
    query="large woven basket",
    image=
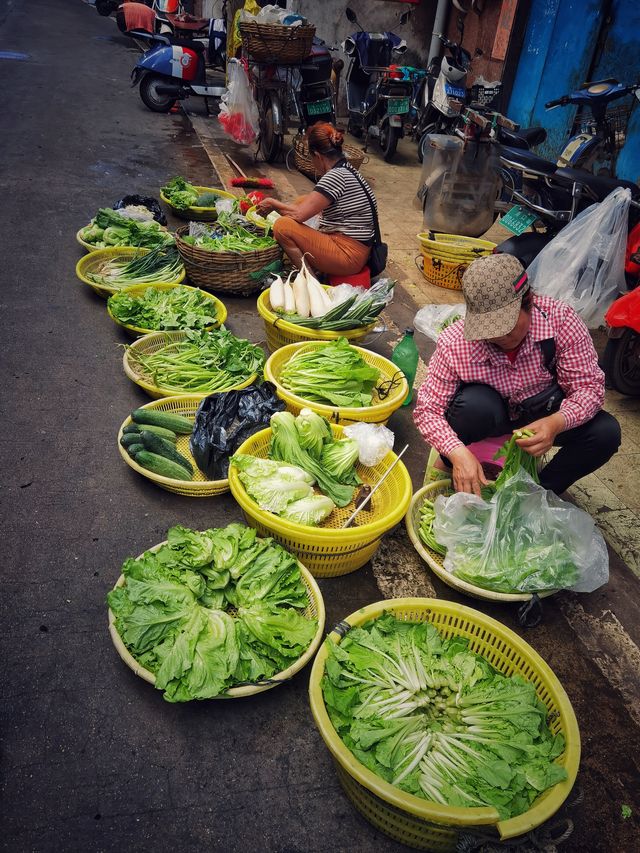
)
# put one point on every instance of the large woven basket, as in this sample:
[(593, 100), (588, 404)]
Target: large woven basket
[(304, 163), (226, 272), (198, 214), (276, 43), (280, 332), (423, 824), (331, 550), (435, 561), (200, 486), (315, 610), (152, 343), (391, 389)]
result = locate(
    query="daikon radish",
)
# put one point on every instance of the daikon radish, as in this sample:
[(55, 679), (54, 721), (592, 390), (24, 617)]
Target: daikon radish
[(301, 295), (276, 294), (289, 299)]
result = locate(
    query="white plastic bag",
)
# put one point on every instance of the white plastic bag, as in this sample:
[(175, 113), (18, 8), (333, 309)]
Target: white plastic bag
[(525, 539), (584, 264), (238, 110), (374, 441), (433, 319)]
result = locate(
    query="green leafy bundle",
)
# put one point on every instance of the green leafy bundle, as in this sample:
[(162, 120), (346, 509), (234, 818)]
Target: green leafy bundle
[(230, 234), (160, 265), (202, 363), (333, 373), (108, 228), (354, 312), (435, 719), (180, 193), (164, 310), (212, 610)]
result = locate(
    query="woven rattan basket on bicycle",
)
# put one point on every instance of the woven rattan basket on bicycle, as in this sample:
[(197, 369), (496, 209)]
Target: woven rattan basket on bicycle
[(275, 42), (226, 272), (304, 164)]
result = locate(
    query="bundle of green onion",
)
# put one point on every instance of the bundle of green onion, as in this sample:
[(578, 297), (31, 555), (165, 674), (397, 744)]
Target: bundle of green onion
[(162, 264), (200, 363)]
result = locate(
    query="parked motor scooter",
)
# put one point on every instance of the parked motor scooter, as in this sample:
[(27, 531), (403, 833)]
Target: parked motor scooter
[(443, 92), (315, 98), (171, 70), (621, 359), (377, 102)]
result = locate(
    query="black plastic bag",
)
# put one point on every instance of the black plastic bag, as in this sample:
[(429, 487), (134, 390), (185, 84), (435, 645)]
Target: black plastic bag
[(146, 201), (224, 421)]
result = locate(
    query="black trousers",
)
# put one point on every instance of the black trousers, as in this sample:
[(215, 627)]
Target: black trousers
[(478, 411)]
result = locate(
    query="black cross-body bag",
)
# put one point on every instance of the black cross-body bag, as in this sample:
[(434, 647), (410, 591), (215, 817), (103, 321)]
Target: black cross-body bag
[(548, 401), (379, 250)]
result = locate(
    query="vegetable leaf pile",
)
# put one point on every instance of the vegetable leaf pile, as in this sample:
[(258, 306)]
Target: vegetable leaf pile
[(180, 193), (333, 373), (164, 310), (435, 719), (210, 610), (109, 228)]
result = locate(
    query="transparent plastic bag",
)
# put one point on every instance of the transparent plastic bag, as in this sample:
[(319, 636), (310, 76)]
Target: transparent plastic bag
[(374, 441), (584, 264), (525, 539), (238, 110), (433, 319)]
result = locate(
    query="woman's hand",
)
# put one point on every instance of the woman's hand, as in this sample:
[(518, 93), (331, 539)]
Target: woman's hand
[(468, 475), (544, 431), (266, 205)]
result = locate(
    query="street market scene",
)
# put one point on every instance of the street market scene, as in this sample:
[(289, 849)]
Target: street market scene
[(322, 364)]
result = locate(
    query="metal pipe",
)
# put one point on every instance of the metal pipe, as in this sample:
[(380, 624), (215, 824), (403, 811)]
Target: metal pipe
[(439, 25)]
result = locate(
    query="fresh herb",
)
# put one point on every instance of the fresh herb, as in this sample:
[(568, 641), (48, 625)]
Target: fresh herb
[(333, 373), (164, 310), (201, 363), (229, 234), (626, 811), (162, 264), (210, 610), (435, 719), (180, 194)]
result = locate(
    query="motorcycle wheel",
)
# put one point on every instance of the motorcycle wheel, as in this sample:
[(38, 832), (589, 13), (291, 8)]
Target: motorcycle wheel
[(270, 141), (621, 363), (389, 137), (154, 101)]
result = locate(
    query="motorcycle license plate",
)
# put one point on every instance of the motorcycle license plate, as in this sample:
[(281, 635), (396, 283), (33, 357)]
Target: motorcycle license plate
[(318, 108), (398, 106), (455, 91), (518, 219)]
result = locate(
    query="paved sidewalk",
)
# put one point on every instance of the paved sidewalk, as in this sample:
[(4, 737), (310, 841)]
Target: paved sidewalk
[(612, 495)]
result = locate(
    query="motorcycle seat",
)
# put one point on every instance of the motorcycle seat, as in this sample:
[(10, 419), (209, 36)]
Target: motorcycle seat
[(187, 42), (600, 185), (524, 138), (527, 161)]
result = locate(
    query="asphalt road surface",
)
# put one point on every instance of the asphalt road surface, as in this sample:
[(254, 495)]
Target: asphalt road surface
[(93, 758)]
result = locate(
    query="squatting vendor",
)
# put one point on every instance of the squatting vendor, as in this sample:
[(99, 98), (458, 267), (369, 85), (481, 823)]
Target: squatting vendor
[(342, 243), (517, 360)]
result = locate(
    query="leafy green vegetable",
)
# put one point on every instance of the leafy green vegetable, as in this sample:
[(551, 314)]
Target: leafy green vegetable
[(212, 609), (435, 719), (229, 234), (162, 264), (109, 228), (311, 510), (313, 432), (339, 459), (356, 311), (285, 446), (202, 363), (180, 193), (626, 811), (332, 373), (164, 310)]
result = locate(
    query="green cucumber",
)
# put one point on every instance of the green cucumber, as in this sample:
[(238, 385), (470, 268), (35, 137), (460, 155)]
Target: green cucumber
[(130, 438), (161, 465), (131, 428), (155, 444), (134, 448), (176, 423), (135, 429)]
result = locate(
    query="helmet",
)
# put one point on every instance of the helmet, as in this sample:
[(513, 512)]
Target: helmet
[(451, 70)]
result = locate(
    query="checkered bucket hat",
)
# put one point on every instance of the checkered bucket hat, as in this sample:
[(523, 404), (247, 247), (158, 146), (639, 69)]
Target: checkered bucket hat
[(493, 288)]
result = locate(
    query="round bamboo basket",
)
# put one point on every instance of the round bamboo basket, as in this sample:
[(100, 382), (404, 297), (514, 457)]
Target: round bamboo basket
[(276, 43), (304, 163)]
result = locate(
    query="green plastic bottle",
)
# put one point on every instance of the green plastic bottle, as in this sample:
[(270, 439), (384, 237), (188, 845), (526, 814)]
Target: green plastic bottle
[(405, 356)]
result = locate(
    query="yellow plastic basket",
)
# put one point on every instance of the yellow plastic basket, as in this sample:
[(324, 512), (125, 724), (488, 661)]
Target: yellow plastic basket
[(435, 561), (140, 289), (93, 261), (200, 486), (148, 344), (422, 824), (442, 273), (329, 550), (280, 332), (454, 247), (315, 610), (199, 214), (378, 413)]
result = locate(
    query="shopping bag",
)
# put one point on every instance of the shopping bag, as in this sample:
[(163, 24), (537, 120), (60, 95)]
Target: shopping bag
[(238, 110)]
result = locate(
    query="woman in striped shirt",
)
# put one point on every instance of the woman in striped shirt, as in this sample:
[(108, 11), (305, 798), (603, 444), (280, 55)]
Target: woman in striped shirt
[(342, 243)]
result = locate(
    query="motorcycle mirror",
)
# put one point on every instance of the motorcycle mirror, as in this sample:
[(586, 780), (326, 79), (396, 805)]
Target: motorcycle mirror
[(460, 25), (351, 15)]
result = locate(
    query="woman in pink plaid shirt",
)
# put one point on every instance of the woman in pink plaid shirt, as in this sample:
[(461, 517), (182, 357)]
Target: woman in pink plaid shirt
[(517, 360)]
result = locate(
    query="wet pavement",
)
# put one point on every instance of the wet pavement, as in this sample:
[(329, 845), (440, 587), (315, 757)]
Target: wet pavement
[(93, 758)]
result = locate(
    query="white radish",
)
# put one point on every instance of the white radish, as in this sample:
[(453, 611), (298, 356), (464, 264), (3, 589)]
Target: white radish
[(276, 294), (301, 295), (289, 299), (316, 298)]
